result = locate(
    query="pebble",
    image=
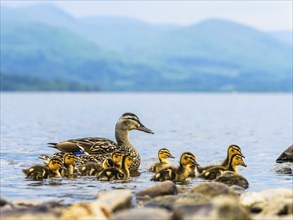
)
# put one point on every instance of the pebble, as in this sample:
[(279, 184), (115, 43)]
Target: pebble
[(142, 214), (163, 188)]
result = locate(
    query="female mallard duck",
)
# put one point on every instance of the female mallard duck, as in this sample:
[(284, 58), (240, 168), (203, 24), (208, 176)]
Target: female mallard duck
[(69, 165), (93, 168), (187, 163), (102, 147), (38, 172), (117, 174), (163, 154), (232, 150), (215, 171)]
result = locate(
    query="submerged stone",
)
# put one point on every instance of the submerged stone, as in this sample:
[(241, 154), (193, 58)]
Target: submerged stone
[(286, 156), (142, 214), (163, 188)]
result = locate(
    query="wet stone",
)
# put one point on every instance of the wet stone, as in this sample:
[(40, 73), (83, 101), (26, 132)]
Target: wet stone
[(172, 201), (284, 168), (106, 203), (163, 188), (286, 156), (142, 214), (214, 189), (270, 202), (221, 207)]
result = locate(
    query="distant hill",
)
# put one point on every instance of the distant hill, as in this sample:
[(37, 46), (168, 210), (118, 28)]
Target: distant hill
[(121, 54), (284, 36)]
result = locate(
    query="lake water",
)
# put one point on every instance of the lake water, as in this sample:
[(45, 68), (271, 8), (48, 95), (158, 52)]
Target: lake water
[(204, 124)]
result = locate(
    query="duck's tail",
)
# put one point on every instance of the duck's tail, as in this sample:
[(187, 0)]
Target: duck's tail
[(53, 145)]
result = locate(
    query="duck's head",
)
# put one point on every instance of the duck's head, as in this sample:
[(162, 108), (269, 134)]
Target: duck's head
[(55, 163), (188, 159), (129, 121), (234, 149), (126, 161), (117, 157), (69, 159), (237, 159), (164, 153)]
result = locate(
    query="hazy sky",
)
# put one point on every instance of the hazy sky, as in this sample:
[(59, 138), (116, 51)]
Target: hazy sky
[(264, 15)]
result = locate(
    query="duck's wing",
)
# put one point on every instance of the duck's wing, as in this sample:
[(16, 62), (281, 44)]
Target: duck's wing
[(212, 173), (89, 145)]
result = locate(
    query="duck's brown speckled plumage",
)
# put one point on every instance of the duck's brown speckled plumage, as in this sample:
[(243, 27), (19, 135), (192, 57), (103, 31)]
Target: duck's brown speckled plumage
[(102, 148)]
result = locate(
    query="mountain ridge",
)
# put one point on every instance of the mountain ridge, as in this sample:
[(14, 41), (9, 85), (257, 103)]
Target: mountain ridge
[(212, 55)]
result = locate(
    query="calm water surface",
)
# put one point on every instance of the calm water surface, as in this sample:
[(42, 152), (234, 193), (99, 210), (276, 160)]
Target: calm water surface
[(204, 124)]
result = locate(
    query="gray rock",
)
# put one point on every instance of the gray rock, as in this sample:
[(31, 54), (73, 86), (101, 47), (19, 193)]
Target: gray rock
[(197, 211), (284, 168), (161, 189), (286, 156), (270, 202), (142, 214), (172, 201), (221, 207), (214, 189), (41, 212), (228, 208), (106, 203)]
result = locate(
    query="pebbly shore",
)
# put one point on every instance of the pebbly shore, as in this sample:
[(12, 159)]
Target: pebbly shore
[(164, 201)]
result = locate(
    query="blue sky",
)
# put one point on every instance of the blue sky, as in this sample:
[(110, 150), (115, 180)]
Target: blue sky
[(264, 15)]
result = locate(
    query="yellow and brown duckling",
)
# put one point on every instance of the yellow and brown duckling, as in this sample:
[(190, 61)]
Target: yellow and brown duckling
[(231, 178), (232, 150), (39, 172), (93, 168), (187, 164), (215, 171), (113, 173), (163, 154), (69, 160), (89, 169), (114, 161)]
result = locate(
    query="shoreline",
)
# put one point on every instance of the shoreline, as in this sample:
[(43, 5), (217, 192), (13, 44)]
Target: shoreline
[(164, 200)]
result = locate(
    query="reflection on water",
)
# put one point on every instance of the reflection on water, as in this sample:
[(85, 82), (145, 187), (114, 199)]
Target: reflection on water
[(204, 124)]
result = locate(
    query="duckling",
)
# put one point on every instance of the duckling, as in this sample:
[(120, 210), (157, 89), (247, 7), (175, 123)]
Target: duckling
[(215, 171), (39, 172), (89, 169), (69, 165), (103, 147), (93, 168), (187, 163), (117, 174), (231, 178), (163, 154), (114, 161), (232, 150), (45, 158)]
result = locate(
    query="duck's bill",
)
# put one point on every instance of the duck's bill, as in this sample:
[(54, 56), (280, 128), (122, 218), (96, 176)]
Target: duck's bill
[(145, 129), (242, 155), (171, 156), (243, 164)]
